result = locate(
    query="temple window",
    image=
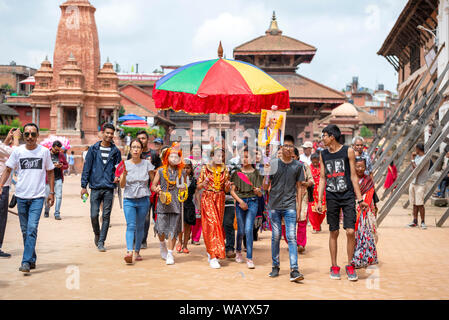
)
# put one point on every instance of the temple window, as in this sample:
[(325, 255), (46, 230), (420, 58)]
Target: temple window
[(69, 119), (415, 58), (69, 82), (106, 84)]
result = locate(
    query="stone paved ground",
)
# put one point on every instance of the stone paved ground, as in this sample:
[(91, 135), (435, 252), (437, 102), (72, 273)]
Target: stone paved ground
[(413, 264)]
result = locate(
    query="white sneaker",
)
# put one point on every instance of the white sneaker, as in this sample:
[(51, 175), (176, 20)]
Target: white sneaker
[(170, 259), (238, 257), (164, 250), (423, 226), (214, 264), (250, 264), (208, 258)]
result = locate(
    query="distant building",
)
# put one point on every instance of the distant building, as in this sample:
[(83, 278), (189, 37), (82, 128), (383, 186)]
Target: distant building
[(378, 103), (350, 119), (13, 74)]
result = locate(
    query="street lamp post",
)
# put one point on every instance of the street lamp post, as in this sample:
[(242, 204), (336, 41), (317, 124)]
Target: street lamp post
[(432, 32)]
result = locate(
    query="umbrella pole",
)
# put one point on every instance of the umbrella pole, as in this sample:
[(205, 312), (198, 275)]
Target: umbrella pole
[(182, 217)]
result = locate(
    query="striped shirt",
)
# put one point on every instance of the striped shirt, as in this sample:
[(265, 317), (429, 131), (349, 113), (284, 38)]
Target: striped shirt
[(105, 154)]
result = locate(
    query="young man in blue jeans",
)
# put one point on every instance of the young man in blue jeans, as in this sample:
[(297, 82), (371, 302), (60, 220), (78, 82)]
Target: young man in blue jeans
[(60, 163), (33, 163), (99, 173), (285, 177)]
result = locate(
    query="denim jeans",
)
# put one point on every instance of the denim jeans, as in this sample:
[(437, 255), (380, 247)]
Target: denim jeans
[(58, 197), (147, 223), (97, 197), (3, 213), (30, 211), (245, 223), (290, 227), (136, 210), (228, 226)]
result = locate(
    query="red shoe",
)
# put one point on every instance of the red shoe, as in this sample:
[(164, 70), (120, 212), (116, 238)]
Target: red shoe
[(179, 248), (350, 271), (185, 250), (335, 273)]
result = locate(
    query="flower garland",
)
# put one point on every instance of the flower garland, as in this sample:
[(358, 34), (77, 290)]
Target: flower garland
[(263, 120), (164, 172)]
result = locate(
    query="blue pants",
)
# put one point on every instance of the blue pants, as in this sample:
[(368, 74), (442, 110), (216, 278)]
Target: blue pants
[(30, 211), (136, 210), (290, 227), (245, 223), (58, 197)]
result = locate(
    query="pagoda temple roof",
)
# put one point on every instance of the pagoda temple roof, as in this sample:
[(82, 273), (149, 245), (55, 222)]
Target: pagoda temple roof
[(274, 42), (303, 89)]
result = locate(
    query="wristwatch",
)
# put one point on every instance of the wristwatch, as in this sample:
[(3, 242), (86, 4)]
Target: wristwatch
[(52, 193)]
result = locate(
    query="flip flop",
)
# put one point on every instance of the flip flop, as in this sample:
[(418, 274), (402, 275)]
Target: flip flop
[(185, 250)]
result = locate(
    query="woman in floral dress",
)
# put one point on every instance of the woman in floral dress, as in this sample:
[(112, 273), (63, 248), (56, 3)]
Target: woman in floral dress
[(365, 253)]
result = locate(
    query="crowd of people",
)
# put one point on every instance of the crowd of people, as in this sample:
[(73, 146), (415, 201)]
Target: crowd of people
[(225, 202)]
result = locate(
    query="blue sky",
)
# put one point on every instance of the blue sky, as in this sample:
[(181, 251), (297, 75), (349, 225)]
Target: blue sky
[(347, 33)]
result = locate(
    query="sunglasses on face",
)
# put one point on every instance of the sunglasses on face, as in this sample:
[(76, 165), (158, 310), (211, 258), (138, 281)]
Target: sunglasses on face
[(27, 134)]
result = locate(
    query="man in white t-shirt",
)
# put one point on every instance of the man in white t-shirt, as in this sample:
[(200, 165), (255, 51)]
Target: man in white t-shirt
[(33, 164)]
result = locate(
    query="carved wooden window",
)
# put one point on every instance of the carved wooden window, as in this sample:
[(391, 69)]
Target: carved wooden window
[(106, 84), (415, 58), (69, 82), (43, 84)]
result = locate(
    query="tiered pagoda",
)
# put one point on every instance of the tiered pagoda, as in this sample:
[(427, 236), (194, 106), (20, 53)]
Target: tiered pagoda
[(280, 56)]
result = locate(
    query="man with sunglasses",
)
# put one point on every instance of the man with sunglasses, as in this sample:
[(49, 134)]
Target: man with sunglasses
[(34, 166), (99, 173)]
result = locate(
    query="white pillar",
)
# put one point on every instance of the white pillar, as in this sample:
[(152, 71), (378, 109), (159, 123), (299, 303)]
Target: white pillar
[(33, 114), (78, 119)]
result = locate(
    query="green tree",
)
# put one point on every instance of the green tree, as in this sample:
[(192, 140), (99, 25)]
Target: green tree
[(365, 132)]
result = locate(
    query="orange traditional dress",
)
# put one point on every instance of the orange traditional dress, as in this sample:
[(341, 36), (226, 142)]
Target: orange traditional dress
[(212, 209)]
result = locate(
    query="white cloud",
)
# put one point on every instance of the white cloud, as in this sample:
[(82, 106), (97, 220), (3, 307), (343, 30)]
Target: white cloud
[(214, 30), (35, 57), (3, 6), (231, 29), (120, 18), (372, 22)]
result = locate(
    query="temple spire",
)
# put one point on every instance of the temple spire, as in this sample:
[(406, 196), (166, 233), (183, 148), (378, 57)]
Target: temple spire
[(274, 28), (220, 51)]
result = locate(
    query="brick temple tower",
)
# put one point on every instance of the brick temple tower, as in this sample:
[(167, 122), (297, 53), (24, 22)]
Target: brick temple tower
[(80, 95)]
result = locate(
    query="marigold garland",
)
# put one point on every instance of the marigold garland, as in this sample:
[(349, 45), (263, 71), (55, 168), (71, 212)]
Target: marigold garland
[(164, 172)]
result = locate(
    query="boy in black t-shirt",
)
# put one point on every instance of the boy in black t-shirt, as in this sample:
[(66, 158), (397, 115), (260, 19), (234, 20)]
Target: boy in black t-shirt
[(339, 178)]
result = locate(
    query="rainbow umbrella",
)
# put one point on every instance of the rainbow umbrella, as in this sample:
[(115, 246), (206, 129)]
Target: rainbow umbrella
[(220, 86)]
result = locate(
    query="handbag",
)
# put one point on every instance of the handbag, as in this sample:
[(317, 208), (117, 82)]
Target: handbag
[(13, 201)]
